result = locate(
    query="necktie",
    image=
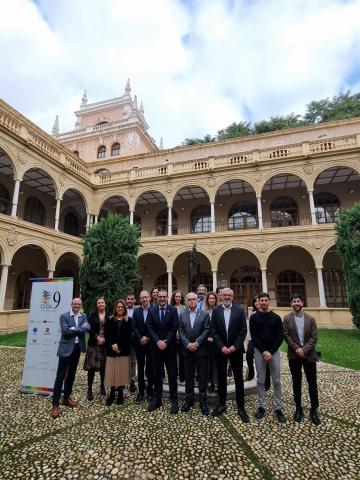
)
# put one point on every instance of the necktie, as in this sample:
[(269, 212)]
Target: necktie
[(200, 305), (162, 313)]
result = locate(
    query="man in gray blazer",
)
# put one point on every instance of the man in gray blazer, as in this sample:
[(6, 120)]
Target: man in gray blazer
[(72, 342), (300, 333), (194, 329)]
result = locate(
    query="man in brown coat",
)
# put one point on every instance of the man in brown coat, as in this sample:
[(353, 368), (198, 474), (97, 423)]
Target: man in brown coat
[(300, 333)]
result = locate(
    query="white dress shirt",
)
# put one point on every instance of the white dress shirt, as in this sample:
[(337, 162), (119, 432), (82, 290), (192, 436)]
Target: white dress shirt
[(76, 318), (227, 313)]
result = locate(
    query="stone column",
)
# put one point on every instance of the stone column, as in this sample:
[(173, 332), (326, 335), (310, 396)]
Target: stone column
[(15, 198), (169, 232), (264, 280), (57, 213), (212, 207), (322, 297), (96, 218), (50, 273), (214, 272), (312, 207), (131, 217), (88, 217), (3, 285), (260, 213), (169, 284)]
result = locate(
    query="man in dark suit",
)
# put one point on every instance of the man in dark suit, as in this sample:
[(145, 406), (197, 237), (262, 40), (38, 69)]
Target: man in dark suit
[(228, 324), (194, 329), (162, 327), (300, 333), (141, 343), (72, 342), (131, 307)]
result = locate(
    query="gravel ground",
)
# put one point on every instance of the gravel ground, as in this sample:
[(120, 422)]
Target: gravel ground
[(97, 442)]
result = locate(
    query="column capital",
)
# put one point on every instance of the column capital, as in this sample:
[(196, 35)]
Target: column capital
[(170, 205)]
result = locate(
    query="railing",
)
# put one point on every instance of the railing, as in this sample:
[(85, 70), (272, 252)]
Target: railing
[(9, 122), (281, 152), (277, 220), (77, 168)]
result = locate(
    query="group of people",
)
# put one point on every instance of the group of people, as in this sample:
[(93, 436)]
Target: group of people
[(196, 340)]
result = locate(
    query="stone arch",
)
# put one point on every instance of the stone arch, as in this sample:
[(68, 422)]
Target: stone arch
[(38, 243), (243, 177), (186, 183), (82, 192), (238, 245), (39, 166), (14, 159), (346, 163), (99, 202), (200, 249), (290, 243), (284, 171), (148, 188)]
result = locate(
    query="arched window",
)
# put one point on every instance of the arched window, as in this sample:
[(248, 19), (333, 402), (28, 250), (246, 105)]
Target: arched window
[(162, 222), (203, 278), (22, 290), (200, 219), (287, 283), (115, 149), (76, 152), (335, 288), (162, 283), (34, 211), (284, 212), (326, 207), (246, 283), (71, 224), (242, 215), (101, 152), (102, 171), (4, 200)]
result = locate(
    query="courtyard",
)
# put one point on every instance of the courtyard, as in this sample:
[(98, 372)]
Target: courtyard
[(97, 442)]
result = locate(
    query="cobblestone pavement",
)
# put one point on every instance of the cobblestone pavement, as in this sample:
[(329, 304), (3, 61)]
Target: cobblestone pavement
[(97, 442)]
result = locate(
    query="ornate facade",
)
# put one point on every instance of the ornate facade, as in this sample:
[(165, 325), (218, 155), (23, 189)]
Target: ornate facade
[(260, 209)]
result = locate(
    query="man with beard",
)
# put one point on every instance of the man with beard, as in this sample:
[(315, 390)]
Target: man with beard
[(201, 295), (300, 333)]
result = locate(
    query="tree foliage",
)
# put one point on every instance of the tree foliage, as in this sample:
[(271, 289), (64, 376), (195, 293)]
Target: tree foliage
[(110, 265), (344, 105), (348, 247)]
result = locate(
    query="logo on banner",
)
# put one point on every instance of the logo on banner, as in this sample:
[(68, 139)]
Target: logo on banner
[(49, 300)]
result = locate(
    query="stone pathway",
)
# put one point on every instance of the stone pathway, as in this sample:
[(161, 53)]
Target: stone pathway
[(96, 442)]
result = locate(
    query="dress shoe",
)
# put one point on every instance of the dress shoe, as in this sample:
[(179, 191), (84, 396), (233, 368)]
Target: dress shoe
[(102, 390), (186, 406), (55, 412), (219, 410), (139, 398), (314, 417), (90, 395), (69, 403), (260, 413), (174, 407), (280, 416), (149, 397), (211, 388), (120, 397), (204, 409), (111, 398), (298, 415), (154, 405), (132, 387), (243, 415)]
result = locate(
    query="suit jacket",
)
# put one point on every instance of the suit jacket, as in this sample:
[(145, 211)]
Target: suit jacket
[(119, 332), (198, 334), (237, 328), (165, 329), (94, 322), (67, 340), (292, 338), (140, 328)]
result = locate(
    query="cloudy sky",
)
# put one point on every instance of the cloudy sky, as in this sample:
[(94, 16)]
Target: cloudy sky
[(198, 65)]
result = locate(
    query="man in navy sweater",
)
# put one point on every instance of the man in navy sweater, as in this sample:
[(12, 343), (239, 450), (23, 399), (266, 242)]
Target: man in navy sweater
[(267, 335)]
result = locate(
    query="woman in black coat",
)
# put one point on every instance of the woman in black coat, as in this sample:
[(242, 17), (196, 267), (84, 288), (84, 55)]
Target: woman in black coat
[(118, 333)]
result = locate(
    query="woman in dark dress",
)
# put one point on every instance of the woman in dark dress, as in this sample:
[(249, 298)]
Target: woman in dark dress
[(118, 333), (95, 357), (211, 302)]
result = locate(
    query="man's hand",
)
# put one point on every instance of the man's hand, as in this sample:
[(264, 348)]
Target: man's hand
[(225, 350), (100, 340), (232, 349), (143, 340), (116, 348), (193, 347), (210, 339), (161, 345), (267, 356), (300, 352)]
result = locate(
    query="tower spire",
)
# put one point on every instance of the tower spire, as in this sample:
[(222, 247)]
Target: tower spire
[(84, 99), (128, 88), (141, 107), (55, 129)]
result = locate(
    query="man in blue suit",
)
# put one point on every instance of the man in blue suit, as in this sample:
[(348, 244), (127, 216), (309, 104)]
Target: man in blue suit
[(162, 323), (72, 342)]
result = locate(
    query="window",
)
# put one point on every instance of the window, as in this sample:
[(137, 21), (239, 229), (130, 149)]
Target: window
[(287, 283), (102, 171), (284, 212), (246, 283), (201, 219), (101, 153), (115, 149), (242, 215), (162, 283), (335, 288), (34, 211), (162, 222), (76, 152), (326, 207), (22, 290), (71, 224), (4, 200)]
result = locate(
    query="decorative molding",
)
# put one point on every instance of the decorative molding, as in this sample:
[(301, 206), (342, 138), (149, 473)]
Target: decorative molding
[(262, 246), (211, 181), (12, 237), (23, 158), (169, 187), (55, 247), (308, 168), (317, 243)]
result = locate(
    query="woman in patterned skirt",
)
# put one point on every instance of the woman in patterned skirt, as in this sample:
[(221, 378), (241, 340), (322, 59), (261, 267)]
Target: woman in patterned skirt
[(118, 333)]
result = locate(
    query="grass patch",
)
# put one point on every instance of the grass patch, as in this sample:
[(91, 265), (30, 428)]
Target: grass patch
[(338, 347), (16, 339)]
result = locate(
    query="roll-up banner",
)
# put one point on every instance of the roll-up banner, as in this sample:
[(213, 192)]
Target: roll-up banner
[(50, 297)]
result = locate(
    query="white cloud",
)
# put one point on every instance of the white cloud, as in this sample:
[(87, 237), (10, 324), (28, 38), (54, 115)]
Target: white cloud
[(196, 68)]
